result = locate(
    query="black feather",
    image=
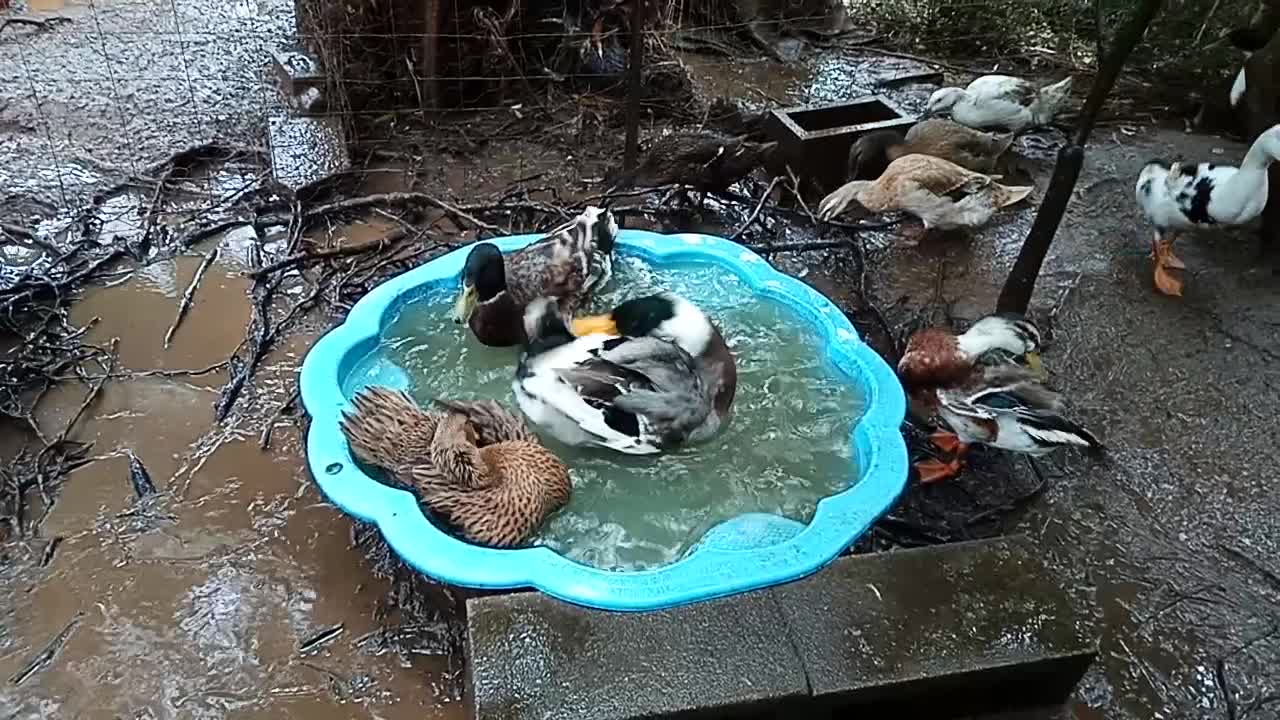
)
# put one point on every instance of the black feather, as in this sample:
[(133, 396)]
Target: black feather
[(1195, 205), (1056, 423)]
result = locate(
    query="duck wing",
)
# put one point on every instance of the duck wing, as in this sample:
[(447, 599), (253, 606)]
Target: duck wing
[(1004, 87), (646, 388)]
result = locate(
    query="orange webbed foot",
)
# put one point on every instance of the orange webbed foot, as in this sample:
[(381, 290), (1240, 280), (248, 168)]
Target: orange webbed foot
[(932, 471), (947, 442)]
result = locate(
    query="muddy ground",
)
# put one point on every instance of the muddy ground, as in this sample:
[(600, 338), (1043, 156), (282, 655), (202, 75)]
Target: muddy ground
[(236, 592)]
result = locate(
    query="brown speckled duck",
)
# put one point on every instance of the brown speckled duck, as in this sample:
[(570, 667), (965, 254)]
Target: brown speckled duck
[(970, 149), (705, 160), (570, 263), (474, 464)]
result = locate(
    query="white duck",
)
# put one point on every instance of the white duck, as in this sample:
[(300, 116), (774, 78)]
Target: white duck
[(1183, 196), (1001, 101)]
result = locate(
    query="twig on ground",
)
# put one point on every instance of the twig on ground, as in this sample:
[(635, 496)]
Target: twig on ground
[(190, 294), (264, 440), (397, 198), (46, 655), (1220, 677), (391, 238), (756, 212)]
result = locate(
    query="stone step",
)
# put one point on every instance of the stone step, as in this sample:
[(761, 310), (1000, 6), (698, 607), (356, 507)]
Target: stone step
[(948, 631)]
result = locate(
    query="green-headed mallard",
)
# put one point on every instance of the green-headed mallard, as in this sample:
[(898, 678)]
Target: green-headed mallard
[(971, 149), (1001, 101), (922, 185), (651, 375), (474, 464), (1184, 196), (570, 263)]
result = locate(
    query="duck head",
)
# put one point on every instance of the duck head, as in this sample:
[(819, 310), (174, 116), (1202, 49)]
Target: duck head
[(870, 154), (662, 315), (943, 100), (484, 277)]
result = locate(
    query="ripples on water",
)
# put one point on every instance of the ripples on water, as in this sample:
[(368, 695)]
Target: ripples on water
[(787, 446)]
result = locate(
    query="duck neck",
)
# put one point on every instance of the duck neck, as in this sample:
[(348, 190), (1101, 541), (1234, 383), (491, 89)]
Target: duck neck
[(1264, 151)]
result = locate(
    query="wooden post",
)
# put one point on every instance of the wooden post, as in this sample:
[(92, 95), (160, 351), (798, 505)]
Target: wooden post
[(1015, 296), (634, 68), (428, 64)]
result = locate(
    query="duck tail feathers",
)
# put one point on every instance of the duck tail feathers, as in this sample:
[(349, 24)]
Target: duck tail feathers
[(381, 426), (1010, 194)]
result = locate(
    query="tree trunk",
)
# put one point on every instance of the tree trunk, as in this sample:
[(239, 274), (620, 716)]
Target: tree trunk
[(1015, 296)]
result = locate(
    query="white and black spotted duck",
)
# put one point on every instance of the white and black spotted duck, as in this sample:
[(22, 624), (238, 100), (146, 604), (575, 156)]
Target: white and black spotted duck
[(1184, 196), (570, 263), (974, 384), (473, 463), (651, 375)]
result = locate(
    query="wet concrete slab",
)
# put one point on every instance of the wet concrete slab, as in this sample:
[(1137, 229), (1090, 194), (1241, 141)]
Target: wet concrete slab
[(536, 657), (985, 625), (949, 631)]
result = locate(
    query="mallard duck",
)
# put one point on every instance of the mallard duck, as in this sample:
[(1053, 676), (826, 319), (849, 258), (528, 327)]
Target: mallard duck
[(1001, 101), (1002, 406), (1183, 196), (970, 149), (705, 160), (938, 359), (651, 375), (920, 185), (570, 263), (473, 463)]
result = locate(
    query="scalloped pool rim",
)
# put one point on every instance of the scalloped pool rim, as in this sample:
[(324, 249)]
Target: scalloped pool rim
[(706, 571)]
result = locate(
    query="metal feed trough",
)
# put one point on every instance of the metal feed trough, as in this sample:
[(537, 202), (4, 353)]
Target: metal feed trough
[(816, 138)]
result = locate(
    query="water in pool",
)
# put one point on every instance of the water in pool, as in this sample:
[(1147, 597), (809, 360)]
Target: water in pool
[(787, 446)]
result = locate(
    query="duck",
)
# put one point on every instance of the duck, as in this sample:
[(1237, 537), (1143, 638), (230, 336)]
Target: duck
[(473, 463), (1176, 197), (652, 375), (1001, 101), (920, 185), (971, 149), (705, 160), (570, 262), (1003, 406), (937, 357)]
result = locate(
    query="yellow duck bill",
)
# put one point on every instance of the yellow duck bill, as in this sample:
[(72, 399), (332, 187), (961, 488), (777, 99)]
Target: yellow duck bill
[(594, 324), (464, 305)]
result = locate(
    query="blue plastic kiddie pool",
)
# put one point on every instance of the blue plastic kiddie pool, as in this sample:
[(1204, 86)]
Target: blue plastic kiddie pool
[(747, 552)]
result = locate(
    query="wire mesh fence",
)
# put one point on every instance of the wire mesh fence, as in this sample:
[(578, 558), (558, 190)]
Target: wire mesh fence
[(153, 117)]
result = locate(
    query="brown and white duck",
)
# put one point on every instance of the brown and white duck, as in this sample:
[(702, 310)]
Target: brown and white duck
[(572, 261), (474, 464)]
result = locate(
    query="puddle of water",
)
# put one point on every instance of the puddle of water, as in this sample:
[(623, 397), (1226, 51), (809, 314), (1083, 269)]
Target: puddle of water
[(786, 448), (141, 310)]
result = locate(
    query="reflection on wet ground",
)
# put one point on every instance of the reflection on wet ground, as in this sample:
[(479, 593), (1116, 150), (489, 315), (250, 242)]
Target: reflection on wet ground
[(194, 603)]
